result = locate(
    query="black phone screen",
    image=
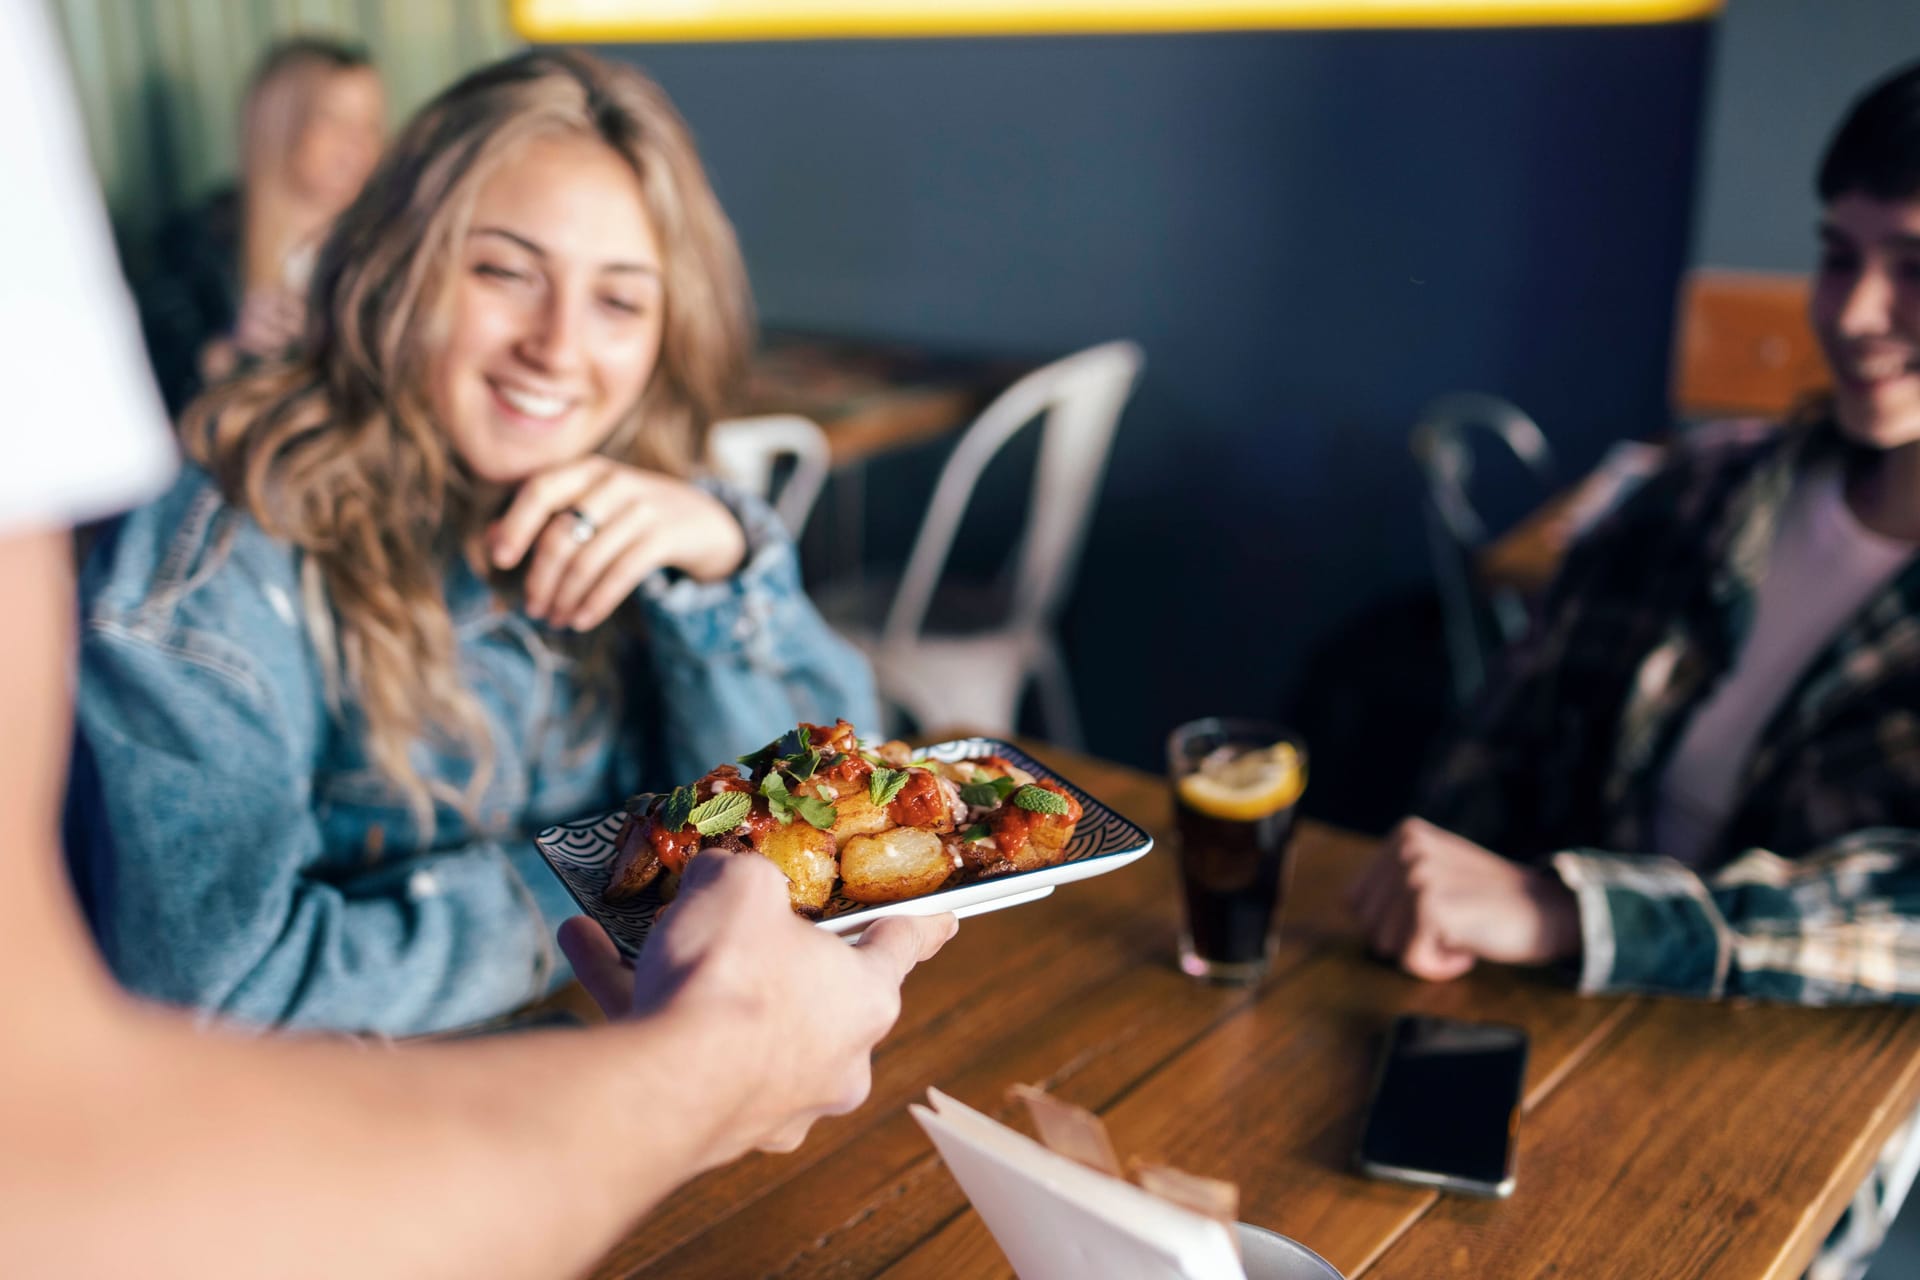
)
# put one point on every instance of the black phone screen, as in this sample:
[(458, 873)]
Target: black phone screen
[(1447, 1103)]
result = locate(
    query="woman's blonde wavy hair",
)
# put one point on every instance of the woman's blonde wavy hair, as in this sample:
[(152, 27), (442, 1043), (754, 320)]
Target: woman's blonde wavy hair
[(337, 451)]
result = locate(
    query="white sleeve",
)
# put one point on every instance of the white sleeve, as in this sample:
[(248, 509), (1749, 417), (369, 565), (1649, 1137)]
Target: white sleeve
[(84, 431)]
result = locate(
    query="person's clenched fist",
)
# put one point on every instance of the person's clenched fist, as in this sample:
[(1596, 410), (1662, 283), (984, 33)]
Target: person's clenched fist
[(1437, 903)]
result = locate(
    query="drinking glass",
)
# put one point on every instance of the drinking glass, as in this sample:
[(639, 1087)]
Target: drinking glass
[(1235, 785)]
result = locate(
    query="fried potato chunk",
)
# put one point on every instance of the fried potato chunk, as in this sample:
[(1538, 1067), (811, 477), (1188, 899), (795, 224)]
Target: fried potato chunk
[(855, 813), (901, 862), (805, 855), (1046, 843), (637, 862)]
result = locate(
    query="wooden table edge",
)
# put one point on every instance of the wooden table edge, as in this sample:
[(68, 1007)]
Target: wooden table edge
[(1820, 1216)]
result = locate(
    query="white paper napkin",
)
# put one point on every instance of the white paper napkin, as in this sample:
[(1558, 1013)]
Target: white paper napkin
[(1056, 1219)]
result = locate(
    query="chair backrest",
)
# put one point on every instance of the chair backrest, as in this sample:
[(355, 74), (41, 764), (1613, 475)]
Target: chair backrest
[(1443, 445), (1080, 399), (1478, 623), (1743, 344), (746, 451)]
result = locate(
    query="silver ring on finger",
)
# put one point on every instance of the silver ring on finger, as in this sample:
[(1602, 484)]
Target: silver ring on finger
[(583, 527)]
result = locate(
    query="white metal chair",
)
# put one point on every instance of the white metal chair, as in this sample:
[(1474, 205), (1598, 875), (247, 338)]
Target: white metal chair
[(947, 655), (1478, 623), (748, 451)]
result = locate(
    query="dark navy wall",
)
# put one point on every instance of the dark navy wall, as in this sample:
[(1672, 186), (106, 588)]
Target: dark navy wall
[(1783, 74), (1309, 232)]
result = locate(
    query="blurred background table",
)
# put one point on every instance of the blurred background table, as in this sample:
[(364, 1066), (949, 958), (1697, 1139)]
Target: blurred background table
[(1660, 1138), (1743, 349), (1526, 557), (872, 396)]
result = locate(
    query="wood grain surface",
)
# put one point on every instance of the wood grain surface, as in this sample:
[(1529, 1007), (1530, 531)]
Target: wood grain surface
[(1658, 1138), (871, 397)]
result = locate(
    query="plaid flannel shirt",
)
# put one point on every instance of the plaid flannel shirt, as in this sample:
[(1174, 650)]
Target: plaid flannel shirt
[(1812, 892)]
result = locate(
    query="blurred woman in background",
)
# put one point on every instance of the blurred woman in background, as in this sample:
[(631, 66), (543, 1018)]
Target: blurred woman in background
[(444, 578), (231, 277)]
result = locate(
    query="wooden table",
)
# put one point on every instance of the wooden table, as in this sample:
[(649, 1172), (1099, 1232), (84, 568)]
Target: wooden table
[(872, 397), (1526, 557), (1660, 1138)]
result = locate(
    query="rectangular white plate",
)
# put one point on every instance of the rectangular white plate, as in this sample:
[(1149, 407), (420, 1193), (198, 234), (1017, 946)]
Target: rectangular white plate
[(582, 853)]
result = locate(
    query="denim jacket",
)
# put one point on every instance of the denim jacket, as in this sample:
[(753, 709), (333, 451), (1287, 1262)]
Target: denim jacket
[(263, 869)]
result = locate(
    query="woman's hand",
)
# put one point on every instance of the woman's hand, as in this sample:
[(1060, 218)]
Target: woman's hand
[(1439, 903), (636, 522)]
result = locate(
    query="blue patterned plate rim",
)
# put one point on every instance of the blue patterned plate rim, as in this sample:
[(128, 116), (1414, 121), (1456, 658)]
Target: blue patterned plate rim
[(582, 851)]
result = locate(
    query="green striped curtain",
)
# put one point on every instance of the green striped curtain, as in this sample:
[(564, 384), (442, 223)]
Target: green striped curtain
[(160, 81)]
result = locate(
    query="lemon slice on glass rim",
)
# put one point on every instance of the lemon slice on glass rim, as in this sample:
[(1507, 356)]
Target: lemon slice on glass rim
[(1246, 786)]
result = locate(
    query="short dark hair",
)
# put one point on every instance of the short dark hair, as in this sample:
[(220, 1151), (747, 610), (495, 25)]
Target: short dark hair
[(1876, 150)]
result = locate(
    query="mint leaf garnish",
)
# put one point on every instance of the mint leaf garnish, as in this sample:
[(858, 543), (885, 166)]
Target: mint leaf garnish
[(988, 792), (774, 788), (885, 784), (679, 805), (816, 811), (978, 831), (722, 813), (1040, 800), (980, 795), (791, 743), (804, 764), (758, 760), (786, 806)]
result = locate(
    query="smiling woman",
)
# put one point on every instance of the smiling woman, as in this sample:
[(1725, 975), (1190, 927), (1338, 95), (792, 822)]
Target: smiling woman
[(556, 313), (445, 579)]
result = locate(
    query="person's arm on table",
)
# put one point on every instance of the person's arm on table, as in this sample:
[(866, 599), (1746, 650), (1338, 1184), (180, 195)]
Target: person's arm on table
[(1838, 926), (1439, 903), (134, 1143)]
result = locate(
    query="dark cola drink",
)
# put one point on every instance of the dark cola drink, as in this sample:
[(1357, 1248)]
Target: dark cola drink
[(1235, 787), (1233, 873)]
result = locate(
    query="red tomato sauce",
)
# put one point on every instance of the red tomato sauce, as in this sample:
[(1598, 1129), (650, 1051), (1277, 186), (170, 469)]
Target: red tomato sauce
[(920, 803), (1012, 826), (850, 774), (674, 847)]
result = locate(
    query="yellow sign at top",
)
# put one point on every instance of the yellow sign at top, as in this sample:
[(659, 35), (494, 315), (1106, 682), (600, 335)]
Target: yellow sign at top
[(666, 20)]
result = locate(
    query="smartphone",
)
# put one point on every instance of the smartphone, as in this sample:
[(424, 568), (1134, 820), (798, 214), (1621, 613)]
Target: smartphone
[(1446, 1106)]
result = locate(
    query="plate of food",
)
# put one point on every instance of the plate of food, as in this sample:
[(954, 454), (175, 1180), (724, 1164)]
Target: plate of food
[(861, 832)]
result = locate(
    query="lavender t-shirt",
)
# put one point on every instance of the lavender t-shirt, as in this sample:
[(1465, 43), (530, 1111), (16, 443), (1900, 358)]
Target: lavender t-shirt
[(1825, 566)]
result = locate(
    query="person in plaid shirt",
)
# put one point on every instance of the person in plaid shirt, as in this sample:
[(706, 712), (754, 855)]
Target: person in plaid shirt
[(1700, 773)]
